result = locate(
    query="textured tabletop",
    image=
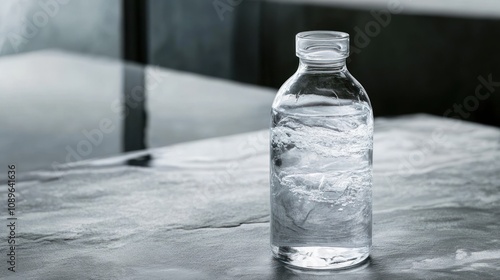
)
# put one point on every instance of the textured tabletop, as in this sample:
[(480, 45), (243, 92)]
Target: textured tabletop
[(200, 210)]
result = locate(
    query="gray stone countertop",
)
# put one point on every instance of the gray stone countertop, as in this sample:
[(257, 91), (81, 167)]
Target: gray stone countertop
[(200, 210)]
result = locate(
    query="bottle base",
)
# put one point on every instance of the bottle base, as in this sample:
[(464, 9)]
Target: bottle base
[(320, 257)]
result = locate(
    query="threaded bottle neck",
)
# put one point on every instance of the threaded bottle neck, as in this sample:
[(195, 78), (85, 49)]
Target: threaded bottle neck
[(315, 67)]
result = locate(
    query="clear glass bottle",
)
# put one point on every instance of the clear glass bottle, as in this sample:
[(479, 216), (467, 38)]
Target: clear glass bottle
[(321, 159)]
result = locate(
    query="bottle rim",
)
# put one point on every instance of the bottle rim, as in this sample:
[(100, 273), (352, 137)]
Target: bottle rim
[(322, 45), (323, 35)]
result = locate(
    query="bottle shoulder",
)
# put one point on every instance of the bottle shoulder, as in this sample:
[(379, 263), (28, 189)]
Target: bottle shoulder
[(312, 87)]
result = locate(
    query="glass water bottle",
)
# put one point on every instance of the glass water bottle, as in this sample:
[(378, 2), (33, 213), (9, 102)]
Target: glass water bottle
[(321, 159)]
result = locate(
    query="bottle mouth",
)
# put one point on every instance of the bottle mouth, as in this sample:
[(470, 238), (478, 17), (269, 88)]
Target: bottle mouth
[(324, 46)]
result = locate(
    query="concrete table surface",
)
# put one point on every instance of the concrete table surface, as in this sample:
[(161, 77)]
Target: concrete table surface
[(200, 210)]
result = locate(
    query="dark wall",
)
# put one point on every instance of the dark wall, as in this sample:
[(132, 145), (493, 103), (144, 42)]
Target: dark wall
[(415, 63), (188, 35)]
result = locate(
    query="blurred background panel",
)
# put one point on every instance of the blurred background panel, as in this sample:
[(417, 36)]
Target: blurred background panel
[(53, 99), (411, 56), (90, 26), (67, 64), (53, 105), (414, 60), (188, 36)]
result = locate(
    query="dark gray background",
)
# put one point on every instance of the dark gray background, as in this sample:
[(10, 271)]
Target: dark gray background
[(426, 59)]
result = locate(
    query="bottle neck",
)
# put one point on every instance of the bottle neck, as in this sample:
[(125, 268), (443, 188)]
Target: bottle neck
[(311, 66)]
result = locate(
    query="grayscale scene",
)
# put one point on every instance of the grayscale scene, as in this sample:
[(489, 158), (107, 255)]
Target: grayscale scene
[(249, 139)]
